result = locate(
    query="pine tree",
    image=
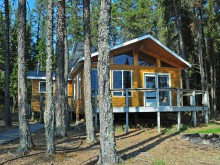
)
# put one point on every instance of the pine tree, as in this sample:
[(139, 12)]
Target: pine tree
[(49, 114), (87, 74), (61, 129), (24, 130), (107, 140), (7, 63)]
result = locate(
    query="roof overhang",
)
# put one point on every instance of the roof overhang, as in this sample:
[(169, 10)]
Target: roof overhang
[(145, 40)]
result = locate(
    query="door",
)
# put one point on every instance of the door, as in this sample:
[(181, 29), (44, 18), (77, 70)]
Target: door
[(157, 81), (150, 97), (164, 96)]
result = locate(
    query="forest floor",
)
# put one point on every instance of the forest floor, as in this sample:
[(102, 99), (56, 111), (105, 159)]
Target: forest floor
[(140, 146)]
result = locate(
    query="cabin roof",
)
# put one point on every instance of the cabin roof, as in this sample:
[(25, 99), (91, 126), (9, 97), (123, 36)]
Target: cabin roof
[(152, 44), (41, 75)]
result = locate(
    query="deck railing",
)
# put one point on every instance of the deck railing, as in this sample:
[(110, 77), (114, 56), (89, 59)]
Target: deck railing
[(180, 93)]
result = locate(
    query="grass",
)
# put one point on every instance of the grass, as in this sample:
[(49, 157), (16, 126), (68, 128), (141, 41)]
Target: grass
[(212, 127), (158, 162)]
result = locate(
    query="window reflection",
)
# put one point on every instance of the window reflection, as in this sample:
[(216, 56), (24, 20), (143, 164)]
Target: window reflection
[(146, 60), (124, 58)]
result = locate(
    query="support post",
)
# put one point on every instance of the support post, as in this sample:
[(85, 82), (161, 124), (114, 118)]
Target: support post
[(179, 121), (194, 119), (96, 113), (157, 107), (77, 119), (207, 117), (178, 113), (127, 111), (158, 122)]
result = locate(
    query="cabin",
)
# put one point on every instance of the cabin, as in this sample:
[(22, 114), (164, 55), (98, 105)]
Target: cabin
[(145, 76), (38, 83)]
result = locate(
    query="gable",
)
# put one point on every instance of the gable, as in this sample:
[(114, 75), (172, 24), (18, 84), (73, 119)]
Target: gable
[(148, 45)]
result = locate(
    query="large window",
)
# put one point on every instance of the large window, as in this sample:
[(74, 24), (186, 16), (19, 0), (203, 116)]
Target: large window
[(42, 87), (121, 80), (146, 60), (94, 81), (124, 58)]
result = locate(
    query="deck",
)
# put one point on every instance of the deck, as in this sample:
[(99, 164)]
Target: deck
[(194, 107)]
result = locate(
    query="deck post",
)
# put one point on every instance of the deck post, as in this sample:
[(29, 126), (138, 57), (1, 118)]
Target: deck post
[(127, 116), (179, 120), (95, 111), (179, 113), (157, 107), (194, 119), (207, 117), (158, 122)]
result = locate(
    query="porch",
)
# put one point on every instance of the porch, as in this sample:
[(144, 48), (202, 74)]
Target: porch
[(187, 100)]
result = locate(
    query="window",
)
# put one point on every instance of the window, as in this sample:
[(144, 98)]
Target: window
[(164, 64), (124, 58), (94, 81), (121, 80), (79, 85), (42, 86), (146, 60)]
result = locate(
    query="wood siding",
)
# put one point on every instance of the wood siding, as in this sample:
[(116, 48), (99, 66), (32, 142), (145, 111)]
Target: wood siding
[(35, 97)]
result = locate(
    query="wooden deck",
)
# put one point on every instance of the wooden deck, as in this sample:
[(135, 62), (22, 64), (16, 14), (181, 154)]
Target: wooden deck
[(180, 93)]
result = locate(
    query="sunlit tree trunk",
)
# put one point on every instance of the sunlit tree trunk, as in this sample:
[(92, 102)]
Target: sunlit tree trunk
[(61, 129), (107, 140), (24, 129), (87, 76), (7, 57), (49, 114)]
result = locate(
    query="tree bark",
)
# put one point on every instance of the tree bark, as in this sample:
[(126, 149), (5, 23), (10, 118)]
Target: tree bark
[(181, 41), (7, 117), (24, 129), (87, 76), (61, 129), (107, 140), (66, 64), (49, 114)]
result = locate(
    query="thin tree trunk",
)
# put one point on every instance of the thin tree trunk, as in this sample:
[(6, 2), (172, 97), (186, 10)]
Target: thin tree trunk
[(181, 41), (87, 76), (66, 64), (107, 140), (61, 129), (49, 114), (24, 129), (7, 57), (200, 49)]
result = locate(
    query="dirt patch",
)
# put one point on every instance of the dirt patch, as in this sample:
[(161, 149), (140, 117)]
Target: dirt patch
[(140, 146)]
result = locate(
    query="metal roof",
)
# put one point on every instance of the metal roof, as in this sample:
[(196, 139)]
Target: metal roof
[(41, 75)]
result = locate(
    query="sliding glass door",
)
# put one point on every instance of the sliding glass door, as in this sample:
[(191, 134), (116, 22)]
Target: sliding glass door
[(153, 81)]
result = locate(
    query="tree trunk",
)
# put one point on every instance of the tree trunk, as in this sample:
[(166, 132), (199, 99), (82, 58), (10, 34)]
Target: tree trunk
[(181, 41), (49, 113), (66, 64), (61, 129), (24, 129), (107, 140), (87, 76), (200, 49), (7, 74)]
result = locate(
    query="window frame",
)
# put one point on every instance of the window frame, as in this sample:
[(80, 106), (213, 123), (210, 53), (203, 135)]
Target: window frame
[(40, 86), (112, 85)]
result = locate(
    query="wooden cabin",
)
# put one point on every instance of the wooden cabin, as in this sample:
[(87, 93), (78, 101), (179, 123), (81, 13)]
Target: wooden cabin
[(145, 76), (38, 81)]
